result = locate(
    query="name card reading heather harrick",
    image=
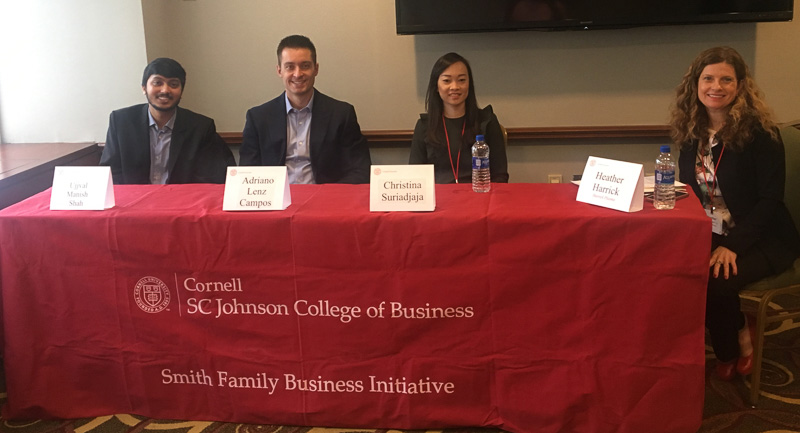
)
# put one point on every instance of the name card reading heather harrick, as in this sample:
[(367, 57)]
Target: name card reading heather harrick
[(82, 188), (256, 189), (402, 188), (613, 184)]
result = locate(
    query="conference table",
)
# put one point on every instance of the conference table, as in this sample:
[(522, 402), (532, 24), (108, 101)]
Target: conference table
[(521, 309)]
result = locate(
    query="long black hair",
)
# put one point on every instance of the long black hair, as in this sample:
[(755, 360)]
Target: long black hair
[(435, 106)]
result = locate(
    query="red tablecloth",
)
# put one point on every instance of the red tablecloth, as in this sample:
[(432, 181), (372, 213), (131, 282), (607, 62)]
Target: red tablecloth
[(521, 308)]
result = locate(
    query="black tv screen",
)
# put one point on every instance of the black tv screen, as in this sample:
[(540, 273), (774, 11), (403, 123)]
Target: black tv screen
[(452, 16)]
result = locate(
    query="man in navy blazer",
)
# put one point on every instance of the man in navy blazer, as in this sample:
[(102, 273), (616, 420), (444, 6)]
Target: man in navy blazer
[(317, 137), (161, 143)]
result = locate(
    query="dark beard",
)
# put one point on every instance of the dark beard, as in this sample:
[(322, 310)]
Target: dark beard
[(161, 109), (164, 110)]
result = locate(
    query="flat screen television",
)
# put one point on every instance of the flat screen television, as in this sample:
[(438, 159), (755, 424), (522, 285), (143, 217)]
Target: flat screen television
[(454, 16)]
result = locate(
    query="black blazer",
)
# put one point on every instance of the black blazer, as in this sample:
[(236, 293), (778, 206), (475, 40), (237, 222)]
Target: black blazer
[(424, 153), (339, 152), (197, 154), (752, 182)]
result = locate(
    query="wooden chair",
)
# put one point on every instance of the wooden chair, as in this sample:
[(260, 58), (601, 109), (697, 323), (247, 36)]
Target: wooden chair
[(788, 283)]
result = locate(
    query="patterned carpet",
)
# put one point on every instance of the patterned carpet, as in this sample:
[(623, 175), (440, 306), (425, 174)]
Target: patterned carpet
[(726, 406)]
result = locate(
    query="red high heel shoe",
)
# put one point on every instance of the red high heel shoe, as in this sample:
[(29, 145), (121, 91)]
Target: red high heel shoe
[(726, 370), (745, 363)]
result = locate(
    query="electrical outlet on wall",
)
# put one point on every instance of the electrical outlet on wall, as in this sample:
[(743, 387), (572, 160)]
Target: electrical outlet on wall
[(553, 178)]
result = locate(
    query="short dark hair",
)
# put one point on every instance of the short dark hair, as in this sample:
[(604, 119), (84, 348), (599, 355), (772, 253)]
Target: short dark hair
[(297, 41), (165, 67)]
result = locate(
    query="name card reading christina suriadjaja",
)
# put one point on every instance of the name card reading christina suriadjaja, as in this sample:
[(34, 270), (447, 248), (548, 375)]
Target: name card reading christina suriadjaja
[(256, 189), (82, 188), (402, 188), (613, 184)]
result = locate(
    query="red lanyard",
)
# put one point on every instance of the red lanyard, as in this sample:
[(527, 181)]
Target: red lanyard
[(716, 168), (458, 161)]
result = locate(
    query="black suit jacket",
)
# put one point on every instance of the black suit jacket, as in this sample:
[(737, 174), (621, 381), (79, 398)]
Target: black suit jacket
[(197, 154), (752, 182), (339, 152), (423, 152)]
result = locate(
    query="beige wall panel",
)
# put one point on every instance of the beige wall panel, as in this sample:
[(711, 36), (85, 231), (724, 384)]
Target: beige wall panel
[(532, 79)]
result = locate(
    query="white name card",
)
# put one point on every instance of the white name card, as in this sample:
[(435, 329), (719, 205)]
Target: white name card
[(402, 188), (256, 189), (82, 188), (613, 184)]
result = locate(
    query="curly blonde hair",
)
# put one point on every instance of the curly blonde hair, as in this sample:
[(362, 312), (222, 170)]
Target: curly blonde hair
[(747, 113)]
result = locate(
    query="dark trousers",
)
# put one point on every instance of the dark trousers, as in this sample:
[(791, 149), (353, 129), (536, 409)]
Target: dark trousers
[(724, 316)]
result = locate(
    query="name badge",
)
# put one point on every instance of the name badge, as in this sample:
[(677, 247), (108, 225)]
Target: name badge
[(402, 188), (82, 188), (256, 189), (720, 219), (613, 184)]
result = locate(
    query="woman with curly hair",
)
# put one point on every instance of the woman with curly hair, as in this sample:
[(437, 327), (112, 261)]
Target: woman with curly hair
[(733, 158), (444, 135)]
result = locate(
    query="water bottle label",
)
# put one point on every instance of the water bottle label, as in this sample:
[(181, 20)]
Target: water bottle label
[(479, 162), (665, 176)]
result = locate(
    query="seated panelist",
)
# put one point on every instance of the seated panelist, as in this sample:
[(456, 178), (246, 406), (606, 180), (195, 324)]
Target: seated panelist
[(733, 158), (315, 136), (159, 142), (444, 135)]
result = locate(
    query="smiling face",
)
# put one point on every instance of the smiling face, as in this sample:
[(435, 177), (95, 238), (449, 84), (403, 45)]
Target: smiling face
[(298, 71), (454, 88), (717, 88), (163, 93)]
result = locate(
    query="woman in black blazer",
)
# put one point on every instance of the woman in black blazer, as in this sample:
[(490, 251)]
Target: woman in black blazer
[(443, 136), (733, 158)]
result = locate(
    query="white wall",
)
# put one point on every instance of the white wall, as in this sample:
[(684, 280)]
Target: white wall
[(65, 65)]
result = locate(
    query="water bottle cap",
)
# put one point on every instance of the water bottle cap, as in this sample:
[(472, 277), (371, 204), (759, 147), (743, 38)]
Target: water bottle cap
[(665, 148), (479, 138)]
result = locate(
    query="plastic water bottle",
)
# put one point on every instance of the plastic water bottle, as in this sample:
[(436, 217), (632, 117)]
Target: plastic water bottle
[(664, 194), (481, 178)]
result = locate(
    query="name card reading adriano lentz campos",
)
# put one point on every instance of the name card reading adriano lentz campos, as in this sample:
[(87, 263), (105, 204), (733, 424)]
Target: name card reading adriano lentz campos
[(402, 188), (613, 184), (82, 188), (256, 189)]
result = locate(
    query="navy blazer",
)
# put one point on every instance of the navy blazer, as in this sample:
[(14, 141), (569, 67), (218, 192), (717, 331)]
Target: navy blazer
[(197, 154), (752, 182), (339, 152)]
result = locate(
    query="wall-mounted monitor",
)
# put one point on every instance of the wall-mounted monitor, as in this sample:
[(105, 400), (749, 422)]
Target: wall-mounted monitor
[(454, 16)]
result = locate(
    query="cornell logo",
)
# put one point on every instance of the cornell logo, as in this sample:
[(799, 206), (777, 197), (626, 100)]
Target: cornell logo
[(151, 295)]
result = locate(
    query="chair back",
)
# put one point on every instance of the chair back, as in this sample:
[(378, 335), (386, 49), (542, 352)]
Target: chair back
[(505, 135), (791, 142), (767, 289)]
